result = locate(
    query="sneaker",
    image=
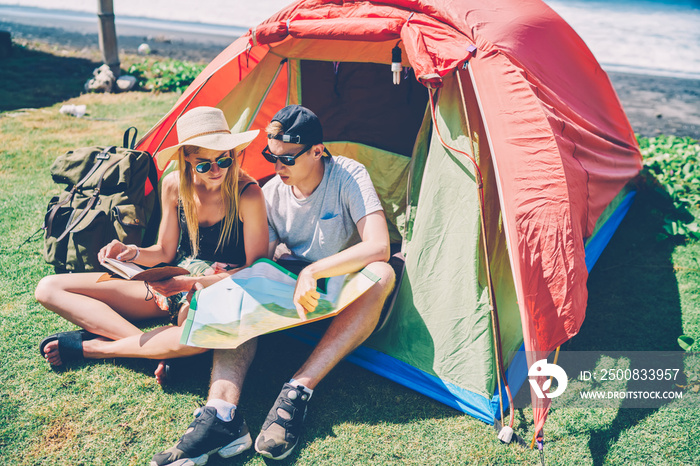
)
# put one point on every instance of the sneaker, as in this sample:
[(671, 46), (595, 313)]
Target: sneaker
[(205, 436), (282, 427)]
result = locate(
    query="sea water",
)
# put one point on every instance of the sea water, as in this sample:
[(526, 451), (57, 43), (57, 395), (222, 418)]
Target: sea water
[(643, 36), (640, 36)]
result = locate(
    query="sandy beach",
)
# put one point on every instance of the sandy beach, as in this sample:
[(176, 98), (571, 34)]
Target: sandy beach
[(654, 104)]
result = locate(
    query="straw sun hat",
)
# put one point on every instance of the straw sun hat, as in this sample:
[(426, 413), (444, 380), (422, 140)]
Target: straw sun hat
[(205, 127)]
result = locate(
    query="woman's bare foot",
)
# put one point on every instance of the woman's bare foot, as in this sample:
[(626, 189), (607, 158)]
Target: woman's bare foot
[(160, 372), (53, 355)]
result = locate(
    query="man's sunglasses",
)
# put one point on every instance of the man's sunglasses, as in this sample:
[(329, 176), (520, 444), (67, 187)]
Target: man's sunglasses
[(288, 160), (223, 162)]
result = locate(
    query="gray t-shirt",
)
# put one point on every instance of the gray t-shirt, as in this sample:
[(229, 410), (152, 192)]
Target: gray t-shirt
[(325, 222)]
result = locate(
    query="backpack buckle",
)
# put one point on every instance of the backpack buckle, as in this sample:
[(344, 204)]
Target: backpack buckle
[(104, 155)]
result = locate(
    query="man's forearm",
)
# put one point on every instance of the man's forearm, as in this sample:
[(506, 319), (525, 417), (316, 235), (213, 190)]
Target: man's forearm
[(349, 260)]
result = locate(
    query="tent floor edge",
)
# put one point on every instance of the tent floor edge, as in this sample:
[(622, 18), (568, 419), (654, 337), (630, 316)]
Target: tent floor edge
[(404, 374)]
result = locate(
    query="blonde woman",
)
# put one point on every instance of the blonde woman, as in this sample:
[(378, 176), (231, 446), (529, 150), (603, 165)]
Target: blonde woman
[(213, 223)]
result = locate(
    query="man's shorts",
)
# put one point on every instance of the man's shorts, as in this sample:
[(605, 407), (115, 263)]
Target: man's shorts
[(396, 261)]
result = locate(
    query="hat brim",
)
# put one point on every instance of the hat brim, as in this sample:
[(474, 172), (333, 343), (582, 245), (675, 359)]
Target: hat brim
[(222, 142)]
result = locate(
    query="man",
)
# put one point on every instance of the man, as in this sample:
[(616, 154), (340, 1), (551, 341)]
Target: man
[(325, 210)]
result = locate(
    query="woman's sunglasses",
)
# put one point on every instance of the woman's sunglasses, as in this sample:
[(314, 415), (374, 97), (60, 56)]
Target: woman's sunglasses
[(204, 167), (288, 160)]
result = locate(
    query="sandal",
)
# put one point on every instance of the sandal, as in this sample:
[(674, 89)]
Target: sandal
[(70, 345)]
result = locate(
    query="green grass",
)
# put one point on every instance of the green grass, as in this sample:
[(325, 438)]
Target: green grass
[(642, 296)]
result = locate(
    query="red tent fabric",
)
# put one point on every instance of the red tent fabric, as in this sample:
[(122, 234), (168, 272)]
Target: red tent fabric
[(561, 143)]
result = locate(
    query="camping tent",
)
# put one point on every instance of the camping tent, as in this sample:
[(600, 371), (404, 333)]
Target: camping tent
[(500, 94)]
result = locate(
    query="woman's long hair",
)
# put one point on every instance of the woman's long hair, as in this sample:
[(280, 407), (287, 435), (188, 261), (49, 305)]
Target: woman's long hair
[(229, 195)]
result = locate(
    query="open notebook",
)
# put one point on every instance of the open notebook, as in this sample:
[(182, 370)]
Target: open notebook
[(132, 271)]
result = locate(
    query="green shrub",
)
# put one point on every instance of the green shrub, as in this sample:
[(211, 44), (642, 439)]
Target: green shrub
[(673, 162), (165, 75)]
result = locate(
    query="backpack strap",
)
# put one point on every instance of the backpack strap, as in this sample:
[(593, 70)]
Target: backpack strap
[(151, 233), (101, 157), (149, 236), (91, 203), (56, 207), (127, 143)]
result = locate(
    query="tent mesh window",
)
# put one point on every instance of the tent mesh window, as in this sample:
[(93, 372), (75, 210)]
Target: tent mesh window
[(380, 115)]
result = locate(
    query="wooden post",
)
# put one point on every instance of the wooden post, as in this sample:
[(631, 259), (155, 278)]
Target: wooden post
[(108, 35), (5, 44)]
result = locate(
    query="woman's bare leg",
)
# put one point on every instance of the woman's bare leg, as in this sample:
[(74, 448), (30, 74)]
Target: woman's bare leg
[(106, 308), (160, 371), (159, 343)]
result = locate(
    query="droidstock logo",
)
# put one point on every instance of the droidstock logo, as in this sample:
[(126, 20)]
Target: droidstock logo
[(543, 369)]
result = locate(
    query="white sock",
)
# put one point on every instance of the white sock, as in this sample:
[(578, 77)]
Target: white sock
[(306, 389), (224, 409)]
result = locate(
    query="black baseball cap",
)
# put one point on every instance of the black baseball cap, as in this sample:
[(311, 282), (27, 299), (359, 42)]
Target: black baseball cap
[(301, 126)]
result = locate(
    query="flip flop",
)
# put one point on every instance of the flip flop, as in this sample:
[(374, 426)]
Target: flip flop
[(70, 345)]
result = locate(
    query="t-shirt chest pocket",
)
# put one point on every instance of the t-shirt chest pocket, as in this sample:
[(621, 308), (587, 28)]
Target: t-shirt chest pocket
[(332, 228)]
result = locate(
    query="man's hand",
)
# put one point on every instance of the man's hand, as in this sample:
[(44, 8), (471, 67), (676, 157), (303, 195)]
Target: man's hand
[(305, 294), (174, 285)]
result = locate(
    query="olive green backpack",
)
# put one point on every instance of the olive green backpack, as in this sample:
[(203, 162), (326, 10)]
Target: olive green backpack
[(104, 199)]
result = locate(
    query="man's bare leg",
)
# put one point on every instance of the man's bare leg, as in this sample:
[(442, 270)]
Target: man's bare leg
[(345, 333), (280, 431), (348, 329), (229, 370), (216, 428)]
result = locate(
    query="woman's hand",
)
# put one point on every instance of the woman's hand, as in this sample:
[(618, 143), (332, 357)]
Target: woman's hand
[(174, 285), (117, 250), (305, 294)]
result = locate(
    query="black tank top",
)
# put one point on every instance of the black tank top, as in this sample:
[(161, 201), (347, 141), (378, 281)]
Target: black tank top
[(232, 252)]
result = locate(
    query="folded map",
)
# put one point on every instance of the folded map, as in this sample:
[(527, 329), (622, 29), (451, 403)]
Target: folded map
[(258, 300)]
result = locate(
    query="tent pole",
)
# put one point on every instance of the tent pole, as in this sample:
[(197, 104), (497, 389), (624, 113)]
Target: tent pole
[(492, 297), (492, 294)]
